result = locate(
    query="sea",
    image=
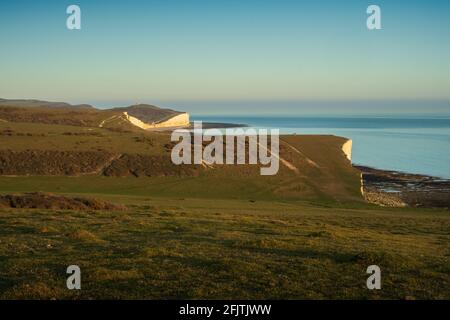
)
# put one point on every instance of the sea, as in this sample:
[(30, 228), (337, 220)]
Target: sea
[(411, 144)]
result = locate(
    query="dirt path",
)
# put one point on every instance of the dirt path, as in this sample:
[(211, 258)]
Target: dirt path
[(302, 154), (107, 120), (103, 167), (206, 165), (286, 163)]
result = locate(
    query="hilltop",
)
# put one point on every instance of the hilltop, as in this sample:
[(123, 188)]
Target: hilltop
[(30, 103), (133, 117)]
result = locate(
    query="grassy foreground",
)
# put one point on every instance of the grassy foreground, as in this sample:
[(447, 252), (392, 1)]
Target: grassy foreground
[(232, 248)]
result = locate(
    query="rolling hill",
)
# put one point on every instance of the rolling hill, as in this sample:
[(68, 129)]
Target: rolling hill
[(312, 167), (44, 112)]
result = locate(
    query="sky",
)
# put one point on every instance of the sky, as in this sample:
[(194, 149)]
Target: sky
[(230, 56)]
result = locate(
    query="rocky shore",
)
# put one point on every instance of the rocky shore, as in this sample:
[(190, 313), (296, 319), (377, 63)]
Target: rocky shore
[(398, 189)]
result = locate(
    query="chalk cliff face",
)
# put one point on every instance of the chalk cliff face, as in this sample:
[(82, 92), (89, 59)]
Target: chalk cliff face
[(179, 120), (151, 117), (347, 149)]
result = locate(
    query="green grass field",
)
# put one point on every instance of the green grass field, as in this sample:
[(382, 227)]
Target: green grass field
[(196, 247)]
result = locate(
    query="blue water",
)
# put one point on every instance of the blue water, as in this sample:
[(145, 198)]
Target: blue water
[(409, 144)]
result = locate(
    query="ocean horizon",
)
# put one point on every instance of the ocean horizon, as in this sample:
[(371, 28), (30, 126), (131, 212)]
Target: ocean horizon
[(411, 143)]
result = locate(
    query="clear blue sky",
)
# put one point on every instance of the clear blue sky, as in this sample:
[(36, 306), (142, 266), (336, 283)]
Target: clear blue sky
[(244, 55)]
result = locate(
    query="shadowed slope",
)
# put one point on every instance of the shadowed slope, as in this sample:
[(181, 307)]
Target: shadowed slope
[(313, 168)]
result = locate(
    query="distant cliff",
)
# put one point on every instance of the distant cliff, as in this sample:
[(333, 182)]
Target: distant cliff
[(151, 117), (141, 116), (179, 120), (347, 149)]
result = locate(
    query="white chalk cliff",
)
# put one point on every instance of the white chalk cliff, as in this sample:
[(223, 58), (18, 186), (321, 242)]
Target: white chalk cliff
[(179, 120), (347, 149)]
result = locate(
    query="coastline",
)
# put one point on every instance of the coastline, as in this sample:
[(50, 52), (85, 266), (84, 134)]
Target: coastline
[(386, 188), (219, 125), (205, 125), (399, 189)]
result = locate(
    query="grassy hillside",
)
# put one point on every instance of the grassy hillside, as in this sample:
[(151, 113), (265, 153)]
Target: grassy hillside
[(60, 113), (201, 231), (321, 171)]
